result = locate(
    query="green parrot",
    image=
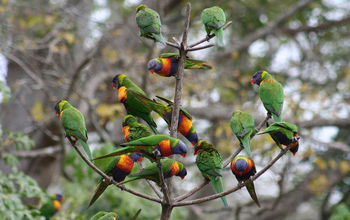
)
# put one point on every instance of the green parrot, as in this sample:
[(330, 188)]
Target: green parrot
[(126, 95), (185, 126), (242, 125), (167, 64), (284, 133), (148, 21), (170, 168), (166, 146), (213, 19), (118, 168), (243, 168), (74, 124), (105, 216), (270, 92), (133, 130), (209, 162), (52, 206)]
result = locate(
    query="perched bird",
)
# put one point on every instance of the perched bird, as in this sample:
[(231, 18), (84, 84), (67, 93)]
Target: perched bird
[(270, 92), (126, 95), (118, 168), (167, 64), (166, 146), (52, 206), (170, 168), (243, 168), (242, 125), (74, 124), (284, 133), (133, 130), (185, 126), (213, 19), (148, 21), (209, 162)]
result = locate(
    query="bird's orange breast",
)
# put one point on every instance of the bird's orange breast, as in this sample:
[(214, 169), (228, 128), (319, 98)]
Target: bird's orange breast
[(185, 125), (174, 168), (165, 147), (166, 67), (125, 163)]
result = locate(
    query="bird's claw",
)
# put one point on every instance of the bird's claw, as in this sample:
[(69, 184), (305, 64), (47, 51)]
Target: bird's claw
[(157, 153)]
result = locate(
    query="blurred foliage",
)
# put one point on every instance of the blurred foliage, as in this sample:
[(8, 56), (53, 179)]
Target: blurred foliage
[(5, 92), (340, 212)]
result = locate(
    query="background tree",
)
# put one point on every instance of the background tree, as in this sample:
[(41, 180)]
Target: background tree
[(73, 48)]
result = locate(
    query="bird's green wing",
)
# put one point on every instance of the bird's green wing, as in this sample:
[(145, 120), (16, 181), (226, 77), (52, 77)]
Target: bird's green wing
[(120, 151), (101, 187), (251, 190), (147, 141), (74, 123), (167, 55), (272, 96), (170, 103)]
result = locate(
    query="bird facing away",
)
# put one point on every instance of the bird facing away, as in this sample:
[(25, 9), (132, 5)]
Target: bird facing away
[(243, 168), (209, 162), (148, 21), (213, 19)]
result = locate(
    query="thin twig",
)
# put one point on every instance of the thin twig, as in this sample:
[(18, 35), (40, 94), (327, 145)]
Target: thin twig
[(106, 177), (193, 191), (239, 186), (165, 189), (208, 37), (172, 45), (201, 47)]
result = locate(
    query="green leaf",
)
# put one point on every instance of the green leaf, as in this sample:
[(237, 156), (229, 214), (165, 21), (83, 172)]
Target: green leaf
[(5, 91)]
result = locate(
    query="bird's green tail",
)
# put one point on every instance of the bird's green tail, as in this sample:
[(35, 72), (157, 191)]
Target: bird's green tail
[(246, 144), (86, 148), (219, 37), (276, 118), (101, 187), (218, 187), (159, 38), (197, 64), (130, 179), (251, 190)]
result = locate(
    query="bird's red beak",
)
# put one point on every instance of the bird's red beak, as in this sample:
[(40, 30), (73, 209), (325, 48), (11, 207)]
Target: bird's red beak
[(139, 159), (151, 70), (114, 86), (183, 155), (252, 81), (182, 177)]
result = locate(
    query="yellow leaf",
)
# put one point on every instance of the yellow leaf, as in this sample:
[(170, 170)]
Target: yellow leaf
[(49, 19), (108, 111), (344, 167), (320, 163), (234, 54), (332, 164), (110, 55), (69, 37), (117, 32), (318, 184), (37, 111)]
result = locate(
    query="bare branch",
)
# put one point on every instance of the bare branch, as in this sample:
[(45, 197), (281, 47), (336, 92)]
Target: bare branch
[(208, 37), (193, 191), (201, 48), (239, 186), (47, 151)]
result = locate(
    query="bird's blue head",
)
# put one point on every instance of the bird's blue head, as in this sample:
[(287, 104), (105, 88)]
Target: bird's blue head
[(180, 148), (182, 173), (137, 156), (241, 165), (59, 197), (154, 65), (257, 78)]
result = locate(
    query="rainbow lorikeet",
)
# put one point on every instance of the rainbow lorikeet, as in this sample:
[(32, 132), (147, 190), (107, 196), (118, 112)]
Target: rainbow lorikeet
[(166, 146), (209, 162), (270, 92), (148, 21), (213, 19), (167, 64), (243, 168), (118, 168), (170, 168), (133, 130), (52, 206), (126, 95), (284, 133), (74, 124), (185, 126), (242, 125)]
